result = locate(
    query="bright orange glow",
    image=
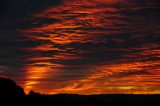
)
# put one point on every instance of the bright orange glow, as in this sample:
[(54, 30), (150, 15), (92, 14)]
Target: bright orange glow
[(35, 73)]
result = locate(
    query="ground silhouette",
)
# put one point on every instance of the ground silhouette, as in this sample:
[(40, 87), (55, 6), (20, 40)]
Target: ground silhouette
[(12, 94)]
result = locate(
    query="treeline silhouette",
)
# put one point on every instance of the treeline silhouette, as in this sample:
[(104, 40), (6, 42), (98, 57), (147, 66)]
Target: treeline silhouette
[(10, 88), (12, 94)]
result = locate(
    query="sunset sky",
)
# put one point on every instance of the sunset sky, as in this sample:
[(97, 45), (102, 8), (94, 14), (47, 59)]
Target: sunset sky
[(81, 46)]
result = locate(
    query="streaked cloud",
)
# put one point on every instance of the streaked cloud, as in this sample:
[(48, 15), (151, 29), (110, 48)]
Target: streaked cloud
[(84, 47)]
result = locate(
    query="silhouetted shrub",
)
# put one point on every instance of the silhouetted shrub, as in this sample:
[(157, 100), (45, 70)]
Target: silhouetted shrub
[(32, 93), (10, 88)]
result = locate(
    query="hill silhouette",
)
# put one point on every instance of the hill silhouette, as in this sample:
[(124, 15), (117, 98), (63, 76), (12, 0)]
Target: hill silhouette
[(10, 88), (16, 96)]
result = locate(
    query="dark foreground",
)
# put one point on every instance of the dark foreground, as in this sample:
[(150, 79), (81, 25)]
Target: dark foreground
[(80, 100), (13, 95)]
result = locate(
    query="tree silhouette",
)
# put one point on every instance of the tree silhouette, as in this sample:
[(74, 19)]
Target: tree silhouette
[(10, 88)]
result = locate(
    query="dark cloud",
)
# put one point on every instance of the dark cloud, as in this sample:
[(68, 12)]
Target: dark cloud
[(14, 11), (131, 73)]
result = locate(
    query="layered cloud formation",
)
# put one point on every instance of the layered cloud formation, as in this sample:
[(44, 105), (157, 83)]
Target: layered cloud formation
[(84, 47)]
